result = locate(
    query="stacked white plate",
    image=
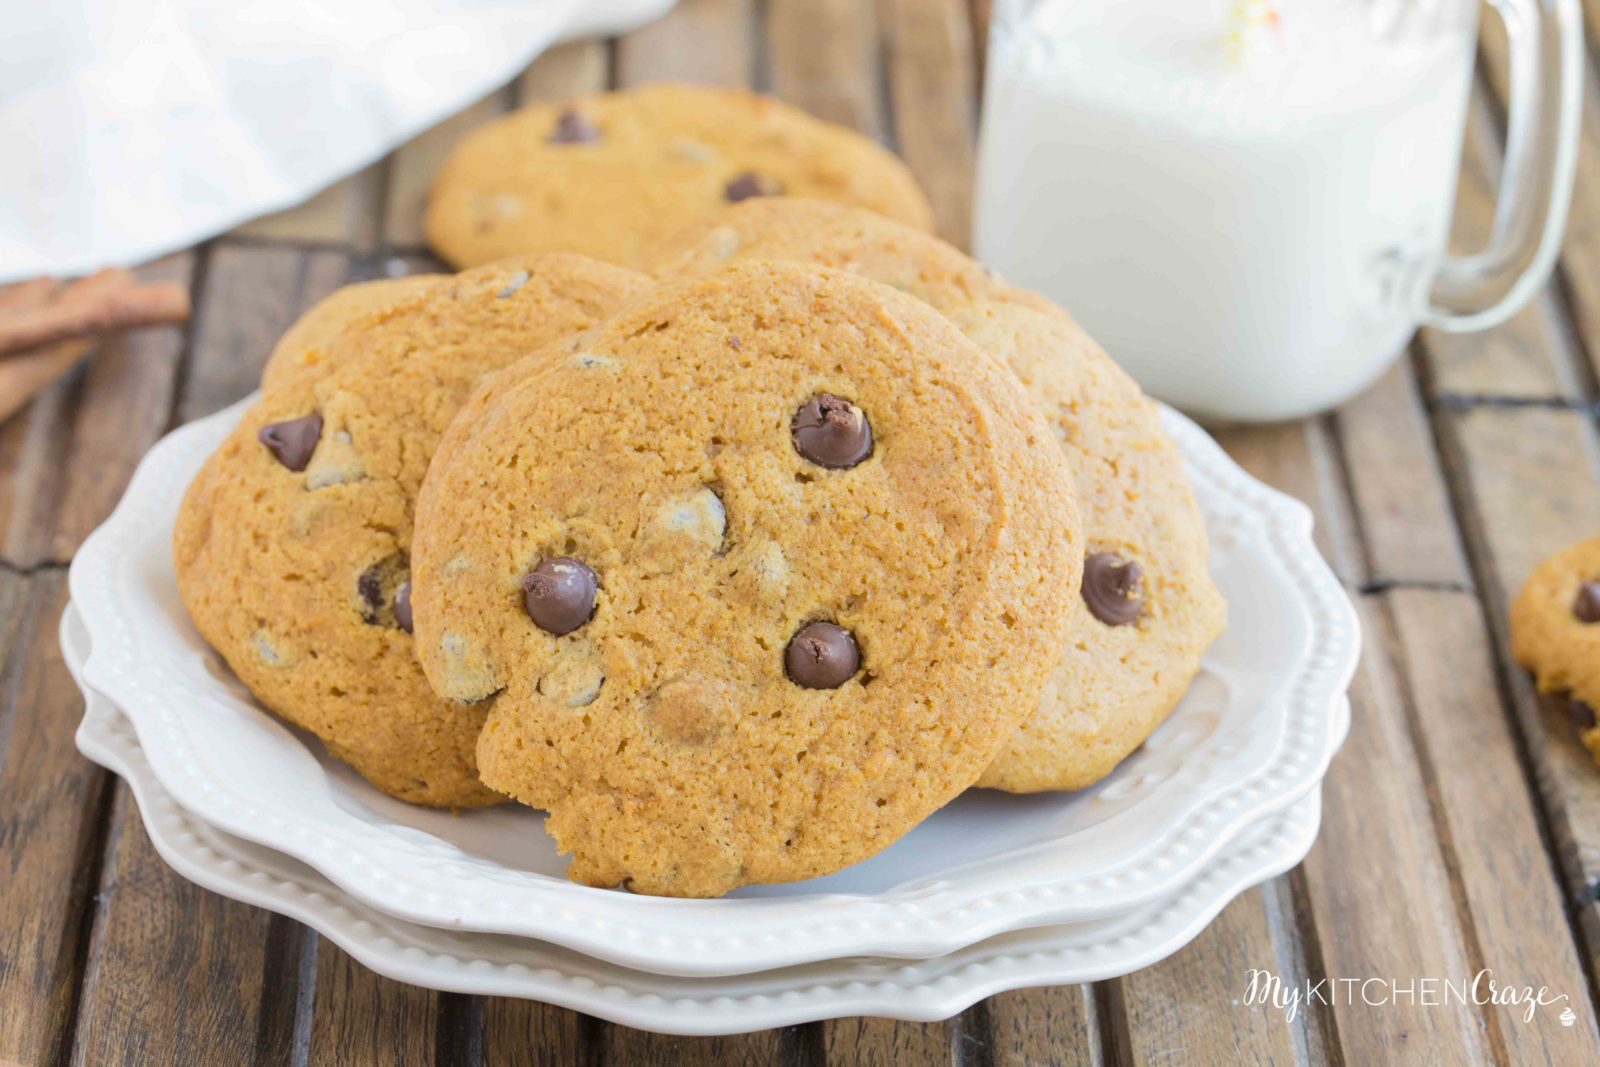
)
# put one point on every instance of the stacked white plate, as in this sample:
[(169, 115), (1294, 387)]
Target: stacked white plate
[(993, 892)]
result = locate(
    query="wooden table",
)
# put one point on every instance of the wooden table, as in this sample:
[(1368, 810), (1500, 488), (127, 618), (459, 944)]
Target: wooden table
[(1461, 826)]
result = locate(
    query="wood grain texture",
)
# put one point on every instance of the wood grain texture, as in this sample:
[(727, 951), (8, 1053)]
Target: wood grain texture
[(1485, 807), (821, 56), (888, 1042), (251, 295), (340, 215), (523, 1033), (1038, 1027), (1391, 914), (52, 805), (707, 42), (567, 70), (1185, 1009), (362, 1018), (177, 974), (933, 89)]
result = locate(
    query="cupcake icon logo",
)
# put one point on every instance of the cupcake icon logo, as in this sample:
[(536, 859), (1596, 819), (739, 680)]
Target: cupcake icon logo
[(1567, 1017)]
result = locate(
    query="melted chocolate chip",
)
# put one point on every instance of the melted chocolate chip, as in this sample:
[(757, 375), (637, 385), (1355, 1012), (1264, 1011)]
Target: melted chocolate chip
[(1586, 605), (831, 432), (293, 441), (402, 605), (822, 655), (370, 587), (1111, 588), (574, 127), (751, 184), (1582, 714), (560, 595)]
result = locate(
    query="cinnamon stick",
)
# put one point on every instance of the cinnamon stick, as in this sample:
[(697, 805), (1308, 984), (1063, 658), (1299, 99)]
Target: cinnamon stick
[(25, 376), (101, 303)]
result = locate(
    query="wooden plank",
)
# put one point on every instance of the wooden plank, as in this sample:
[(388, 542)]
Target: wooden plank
[(708, 42), (342, 214), (933, 91), (822, 55), (413, 164), (1036, 1027), (1530, 481), (121, 407), (1378, 888), (889, 1042), (1402, 505), (361, 1018), (525, 1033), (567, 70), (619, 1044), (1484, 806), (250, 296), (177, 974), (1300, 459), (1373, 897), (1485, 816), (52, 811), (1185, 1008)]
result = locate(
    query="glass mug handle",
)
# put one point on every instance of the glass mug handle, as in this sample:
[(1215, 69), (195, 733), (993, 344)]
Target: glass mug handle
[(1485, 288)]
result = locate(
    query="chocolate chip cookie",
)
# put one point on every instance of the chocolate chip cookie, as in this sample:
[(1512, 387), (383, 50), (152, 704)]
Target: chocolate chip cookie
[(836, 235), (1555, 631), (1150, 606), (293, 543), (755, 577), (610, 175), (303, 347)]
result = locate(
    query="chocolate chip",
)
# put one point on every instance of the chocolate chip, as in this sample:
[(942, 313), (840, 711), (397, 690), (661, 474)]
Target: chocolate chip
[(831, 432), (402, 605), (573, 127), (1586, 605), (559, 595), (1111, 588), (751, 184), (822, 656), (293, 441), (385, 592), (370, 586), (1582, 715)]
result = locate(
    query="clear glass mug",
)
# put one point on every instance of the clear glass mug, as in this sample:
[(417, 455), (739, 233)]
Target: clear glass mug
[(1249, 204)]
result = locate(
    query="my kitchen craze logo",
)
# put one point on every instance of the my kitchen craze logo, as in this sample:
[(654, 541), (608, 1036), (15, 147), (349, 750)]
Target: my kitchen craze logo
[(1265, 988)]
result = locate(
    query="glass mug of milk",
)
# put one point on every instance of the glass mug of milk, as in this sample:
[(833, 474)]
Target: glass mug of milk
[(1248, 203)]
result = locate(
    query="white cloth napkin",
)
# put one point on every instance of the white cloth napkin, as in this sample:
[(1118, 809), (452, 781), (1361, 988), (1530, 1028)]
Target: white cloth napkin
[(129, 128)]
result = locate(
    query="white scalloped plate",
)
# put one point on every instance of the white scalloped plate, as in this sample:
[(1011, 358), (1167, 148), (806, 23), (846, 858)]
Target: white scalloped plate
[(1254, 734), (497, 965)]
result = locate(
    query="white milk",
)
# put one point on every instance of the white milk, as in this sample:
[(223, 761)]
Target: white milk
[(1245, 223)]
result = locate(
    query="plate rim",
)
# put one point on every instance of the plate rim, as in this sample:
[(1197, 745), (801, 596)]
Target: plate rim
[(829, 989)]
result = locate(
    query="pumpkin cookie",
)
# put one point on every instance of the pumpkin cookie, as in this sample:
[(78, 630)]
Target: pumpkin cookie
[(292, 544), (610, 175), (836, 235), (303, 346), (1151, 606), (755, 578), (1555, 631), (1129, 663)]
